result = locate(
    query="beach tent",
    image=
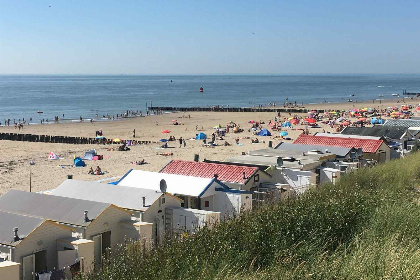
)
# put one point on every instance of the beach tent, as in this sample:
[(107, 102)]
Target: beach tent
[(52, 156), (78, 162), (283, 133), (201, 136), (89, 154), (264, 132), (286, 124)]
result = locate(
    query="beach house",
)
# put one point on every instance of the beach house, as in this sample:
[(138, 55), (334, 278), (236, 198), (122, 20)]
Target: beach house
[(236, 177), (198, 193), (97, 221), (291, 171), (161, 210), (30, 242), (374, 148)]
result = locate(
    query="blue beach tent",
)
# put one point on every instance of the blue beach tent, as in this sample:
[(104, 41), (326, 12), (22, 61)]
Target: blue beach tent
[(286, 124), (264, 132), (201, 136), (78, 162)]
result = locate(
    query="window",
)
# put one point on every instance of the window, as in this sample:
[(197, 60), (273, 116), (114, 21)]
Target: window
[(257, 178), (206, 203), (163, 200)]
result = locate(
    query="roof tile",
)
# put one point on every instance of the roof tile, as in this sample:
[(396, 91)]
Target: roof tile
[(225, 172), (368, 145)]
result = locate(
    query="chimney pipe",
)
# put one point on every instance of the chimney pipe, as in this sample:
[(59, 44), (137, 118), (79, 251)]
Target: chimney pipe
[(86, 216), (216, 176), (15, 235), (144, 201), (244, 175)]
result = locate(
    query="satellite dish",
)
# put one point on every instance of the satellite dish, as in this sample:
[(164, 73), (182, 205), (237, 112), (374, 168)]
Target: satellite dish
[(359, 152), (163, 186), (279, 161)]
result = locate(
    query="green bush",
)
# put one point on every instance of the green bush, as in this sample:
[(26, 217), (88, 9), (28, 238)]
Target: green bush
[(364, 227)]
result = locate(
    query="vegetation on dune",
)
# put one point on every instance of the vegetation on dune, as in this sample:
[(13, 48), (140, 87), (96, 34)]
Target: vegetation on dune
[(365, 227)]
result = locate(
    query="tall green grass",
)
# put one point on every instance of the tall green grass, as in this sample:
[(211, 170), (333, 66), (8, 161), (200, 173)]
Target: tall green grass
[(367, 226)]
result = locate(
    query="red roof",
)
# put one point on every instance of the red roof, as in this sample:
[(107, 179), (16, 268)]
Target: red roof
[(367, 145), (225, 172)]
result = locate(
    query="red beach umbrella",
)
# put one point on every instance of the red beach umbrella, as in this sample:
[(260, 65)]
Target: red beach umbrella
[(310, 120), (166, 131)]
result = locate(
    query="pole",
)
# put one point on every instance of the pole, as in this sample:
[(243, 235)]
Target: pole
[(30, 179)]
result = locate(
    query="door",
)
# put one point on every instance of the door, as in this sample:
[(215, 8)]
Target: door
[(106, 242), (41, 261), (28, 266), (97, 250)]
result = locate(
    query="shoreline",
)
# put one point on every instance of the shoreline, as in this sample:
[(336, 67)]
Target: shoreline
[(309, 106)]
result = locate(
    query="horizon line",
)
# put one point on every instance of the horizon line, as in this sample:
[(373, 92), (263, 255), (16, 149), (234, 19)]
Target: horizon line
[(202, 74)]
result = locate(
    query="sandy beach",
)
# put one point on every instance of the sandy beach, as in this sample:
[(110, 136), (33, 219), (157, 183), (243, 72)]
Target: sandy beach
[(47, 174)]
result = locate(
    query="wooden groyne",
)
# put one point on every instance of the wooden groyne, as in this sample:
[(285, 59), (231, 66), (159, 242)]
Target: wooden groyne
[(232, 109), (59, 139)]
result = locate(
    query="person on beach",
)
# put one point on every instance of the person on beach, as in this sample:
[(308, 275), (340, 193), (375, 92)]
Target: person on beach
[(134, 133), (185, 143), (91, 171), (98, 170), (180, 142)]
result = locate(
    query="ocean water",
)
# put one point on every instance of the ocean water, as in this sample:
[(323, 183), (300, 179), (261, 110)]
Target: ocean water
[(22, 96)]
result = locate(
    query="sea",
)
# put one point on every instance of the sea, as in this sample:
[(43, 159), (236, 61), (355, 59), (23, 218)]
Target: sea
[(96, 96)]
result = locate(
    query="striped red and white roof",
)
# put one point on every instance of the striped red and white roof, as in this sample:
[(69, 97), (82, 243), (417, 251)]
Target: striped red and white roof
[(225, 172), (367, 145)]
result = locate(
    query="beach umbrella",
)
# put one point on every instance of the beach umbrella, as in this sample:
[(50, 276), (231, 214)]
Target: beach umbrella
[(283, 133), (310, 120), (294, 121), (166, 131), (116, 140), (216, 127), (290, 119)]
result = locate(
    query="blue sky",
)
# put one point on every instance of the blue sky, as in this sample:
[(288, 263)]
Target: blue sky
[(209, 37)]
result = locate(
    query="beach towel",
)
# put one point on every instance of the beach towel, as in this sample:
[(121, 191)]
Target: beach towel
[(52, 156)]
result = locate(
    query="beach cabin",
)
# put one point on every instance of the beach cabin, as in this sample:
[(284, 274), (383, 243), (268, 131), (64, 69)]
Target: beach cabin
[(155, 211), (197, 193), (340, 152), (374, 148), (292, 171), (396, 136), (30, 242), (236, 177), (97, 221)]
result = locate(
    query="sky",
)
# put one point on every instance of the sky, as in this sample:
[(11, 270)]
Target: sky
[(209, 37)]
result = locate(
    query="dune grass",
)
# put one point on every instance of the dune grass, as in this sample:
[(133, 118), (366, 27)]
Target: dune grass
[(367, 226)]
